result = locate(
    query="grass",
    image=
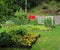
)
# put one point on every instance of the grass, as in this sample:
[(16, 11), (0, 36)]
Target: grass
[(49, 40)]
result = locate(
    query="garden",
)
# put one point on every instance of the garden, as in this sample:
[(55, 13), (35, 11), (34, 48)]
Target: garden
[(29, 35), (36, 37), (19, 28)]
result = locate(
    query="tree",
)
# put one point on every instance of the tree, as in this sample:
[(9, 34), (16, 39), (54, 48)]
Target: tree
[(7, 9), (25, 5)]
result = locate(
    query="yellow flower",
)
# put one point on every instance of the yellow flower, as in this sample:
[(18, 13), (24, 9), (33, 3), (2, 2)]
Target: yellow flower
[(29, 44)]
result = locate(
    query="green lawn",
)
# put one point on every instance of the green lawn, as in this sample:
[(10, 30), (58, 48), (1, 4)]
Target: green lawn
[(49, 40)]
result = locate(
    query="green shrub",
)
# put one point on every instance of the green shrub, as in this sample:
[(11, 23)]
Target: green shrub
[(17, 38), (5, 40), (21, 31), (48, 22), (21, 17), (9, 22), (9, 40)]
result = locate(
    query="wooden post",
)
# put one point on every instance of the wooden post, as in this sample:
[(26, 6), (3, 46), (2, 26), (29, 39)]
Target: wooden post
[(52, 20)]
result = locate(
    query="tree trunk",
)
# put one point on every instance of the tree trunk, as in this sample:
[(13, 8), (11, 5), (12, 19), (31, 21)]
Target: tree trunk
[(25, 5)]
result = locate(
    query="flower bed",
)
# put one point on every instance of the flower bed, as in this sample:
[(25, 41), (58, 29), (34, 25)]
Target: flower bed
[(29, 39)]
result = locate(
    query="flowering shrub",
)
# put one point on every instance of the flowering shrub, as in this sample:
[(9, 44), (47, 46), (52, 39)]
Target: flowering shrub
[(28, 39), (13, 40), (32, 19)]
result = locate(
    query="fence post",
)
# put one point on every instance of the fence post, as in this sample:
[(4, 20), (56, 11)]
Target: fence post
[(52, 19)]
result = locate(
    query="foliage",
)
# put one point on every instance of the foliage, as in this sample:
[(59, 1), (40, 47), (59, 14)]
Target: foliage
[(10, 22), (29, 39), (5, 40), (16, 37), (33, 22), (54, 7), (21, 17), (0, 26), (45, 9), (48, 22), (47, 40), (7, 9), (10, 36), (21, 31)]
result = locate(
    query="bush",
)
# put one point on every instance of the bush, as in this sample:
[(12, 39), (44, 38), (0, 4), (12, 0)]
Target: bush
[(21, 17), (21, 31), (5, 40), (17, 38), (9, 22), (48, 22), (29, 39)]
